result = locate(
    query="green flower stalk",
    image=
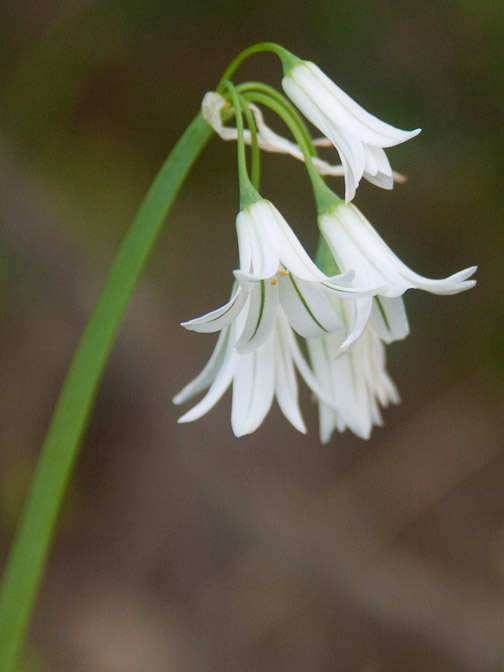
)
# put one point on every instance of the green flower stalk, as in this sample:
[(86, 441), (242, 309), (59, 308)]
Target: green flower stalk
[(26, 563)]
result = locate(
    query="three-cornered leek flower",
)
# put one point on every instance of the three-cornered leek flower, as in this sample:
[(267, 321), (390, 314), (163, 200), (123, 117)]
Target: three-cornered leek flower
[(257, 377), (358, 135), (356, 382), (275, 270), (356, 245)]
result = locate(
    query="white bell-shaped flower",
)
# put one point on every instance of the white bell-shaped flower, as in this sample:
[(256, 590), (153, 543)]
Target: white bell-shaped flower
[(358, 136), (355, 244)]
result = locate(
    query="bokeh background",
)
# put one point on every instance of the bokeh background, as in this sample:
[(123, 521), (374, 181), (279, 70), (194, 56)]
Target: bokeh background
[(181, 547)]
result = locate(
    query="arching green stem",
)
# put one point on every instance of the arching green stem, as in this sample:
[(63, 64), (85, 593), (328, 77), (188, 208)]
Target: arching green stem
[(248, 194), (255, 158), (61, 446), (282, 53)]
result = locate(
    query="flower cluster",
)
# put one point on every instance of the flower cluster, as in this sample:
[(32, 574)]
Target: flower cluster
[(346, 307)]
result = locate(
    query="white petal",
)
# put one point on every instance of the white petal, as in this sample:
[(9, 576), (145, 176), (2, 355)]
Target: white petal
[(353, 247), (256, 220), (349, 148), (276, 233), (358, 312), (354, 404), (220, 317), (371, 384), (380, 180), (260, 318), (271, 141), (353, 241), (377, 169), (245, 243), (357, 135), (388, 319), (339, 106), (384, 388), (325, 168), (454, 284), (303, 368), (357, 381), (211, 106), (380, 159), (219, 386), (253, 388), (272, 242), (286, 388), (320, 358), (308, 309), (209, 372)]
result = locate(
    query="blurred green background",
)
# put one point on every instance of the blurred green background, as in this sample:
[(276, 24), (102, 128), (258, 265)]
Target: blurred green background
[(181, 547)]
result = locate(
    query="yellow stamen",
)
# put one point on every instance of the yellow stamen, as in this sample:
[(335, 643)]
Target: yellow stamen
[(274, 281), (283, 273)]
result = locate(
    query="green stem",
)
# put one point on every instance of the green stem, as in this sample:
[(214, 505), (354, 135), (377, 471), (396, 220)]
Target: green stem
[(324, 197), (276, 95), (255, 162), (30, 549), (248, 194), (254, 49), (324, 258)]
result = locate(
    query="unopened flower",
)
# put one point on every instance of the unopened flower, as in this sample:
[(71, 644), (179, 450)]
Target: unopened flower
[(275, 270), (356, 382), (257, 377), (358, 136)]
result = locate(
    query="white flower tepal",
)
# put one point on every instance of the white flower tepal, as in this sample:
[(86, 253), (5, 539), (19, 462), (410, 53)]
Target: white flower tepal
[(356, 381), (358, 136)]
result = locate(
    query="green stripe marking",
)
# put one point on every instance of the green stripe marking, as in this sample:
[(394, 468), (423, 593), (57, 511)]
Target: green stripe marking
[(261, 310), (383, 314), (307, 308)]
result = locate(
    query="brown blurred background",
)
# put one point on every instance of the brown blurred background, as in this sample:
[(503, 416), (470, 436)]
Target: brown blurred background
[(181, 547)]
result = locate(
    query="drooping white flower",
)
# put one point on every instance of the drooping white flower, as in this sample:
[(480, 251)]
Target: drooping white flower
[(275, 270), (358, 135), (356, 381), (257, 377), (355, 244)]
